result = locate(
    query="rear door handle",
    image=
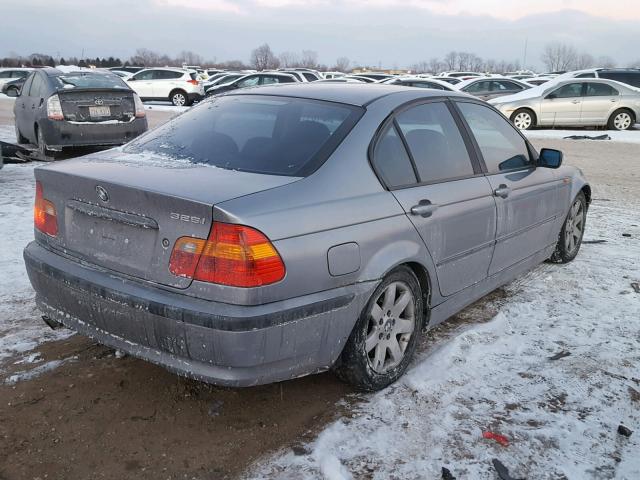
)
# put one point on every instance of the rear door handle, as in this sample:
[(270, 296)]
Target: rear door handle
[(424, 208), (575, 101), (502, 191)]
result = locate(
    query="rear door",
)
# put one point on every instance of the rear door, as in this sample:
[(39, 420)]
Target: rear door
[(599, 101), (164, 81), (500, 88), (20, 108), (526, 196), (563, 106), (480, 89), (424, 160)]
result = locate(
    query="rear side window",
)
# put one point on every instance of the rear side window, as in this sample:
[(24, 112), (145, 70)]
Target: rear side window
[(501, 145), (310, 77), (252, 133), (249, 82), (502, 86), (435, 142), (391, 160), (630, 78), (586, 75), (478, 87), (600, 90)]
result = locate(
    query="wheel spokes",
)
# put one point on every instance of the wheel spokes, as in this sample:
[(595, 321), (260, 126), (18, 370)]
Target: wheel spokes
[(401, 304)]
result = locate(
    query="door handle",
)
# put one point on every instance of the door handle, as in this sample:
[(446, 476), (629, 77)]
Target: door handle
[(424, 208), (613, 100), (502, 191), (575, 101)]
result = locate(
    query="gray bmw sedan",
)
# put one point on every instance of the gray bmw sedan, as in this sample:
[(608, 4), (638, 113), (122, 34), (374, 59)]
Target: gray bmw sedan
[(275, 232)]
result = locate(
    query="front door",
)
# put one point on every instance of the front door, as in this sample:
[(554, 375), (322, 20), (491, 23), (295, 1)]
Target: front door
[(447, 199), (142, 83), (526, 197), (562, 106)]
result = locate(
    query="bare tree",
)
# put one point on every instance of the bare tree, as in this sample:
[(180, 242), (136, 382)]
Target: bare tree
[(187, 57), (289, 59), (343, 64), (262, 58), (558, 56), (584, 60), (146, 58), (435, 66), (309, 59), (451, 61), (606, 61)]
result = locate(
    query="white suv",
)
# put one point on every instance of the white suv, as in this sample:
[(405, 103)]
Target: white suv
[(181, 87)]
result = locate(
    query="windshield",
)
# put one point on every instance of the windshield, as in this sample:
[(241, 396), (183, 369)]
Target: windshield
[(253, 133), (89, 80)]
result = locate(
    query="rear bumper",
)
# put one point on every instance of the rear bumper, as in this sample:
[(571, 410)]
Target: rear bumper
[(217, 343), (60, 134)]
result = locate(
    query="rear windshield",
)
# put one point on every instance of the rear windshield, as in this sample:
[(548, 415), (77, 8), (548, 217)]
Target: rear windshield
[(253, 133), (89, 80)]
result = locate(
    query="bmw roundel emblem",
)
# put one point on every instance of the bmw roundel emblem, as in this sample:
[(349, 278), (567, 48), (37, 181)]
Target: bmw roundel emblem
[(102, 193)]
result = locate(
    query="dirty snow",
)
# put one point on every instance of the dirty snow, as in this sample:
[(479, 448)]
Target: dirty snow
[(21, 328), (560, 416), (626, 136)]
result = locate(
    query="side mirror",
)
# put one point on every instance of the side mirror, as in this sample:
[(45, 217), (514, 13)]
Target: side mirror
[(551, 96), (12, 92), (550, 158), (130, 79)]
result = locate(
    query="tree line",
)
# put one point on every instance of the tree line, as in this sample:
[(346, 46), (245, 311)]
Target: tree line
[(555, 57)]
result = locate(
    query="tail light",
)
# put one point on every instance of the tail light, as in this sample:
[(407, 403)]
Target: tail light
[(233, 255), (44, 214), (139, 106), (193, 82), (54, 108)]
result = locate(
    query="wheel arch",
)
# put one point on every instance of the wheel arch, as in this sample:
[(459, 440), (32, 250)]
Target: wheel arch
[(530, 110)]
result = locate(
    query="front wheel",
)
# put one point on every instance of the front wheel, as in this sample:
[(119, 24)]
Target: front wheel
[(523, 119), (385, 336), (572, 231), (621, 120)]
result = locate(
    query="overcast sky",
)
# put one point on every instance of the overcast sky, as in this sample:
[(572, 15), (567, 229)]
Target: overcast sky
[(387, 32)]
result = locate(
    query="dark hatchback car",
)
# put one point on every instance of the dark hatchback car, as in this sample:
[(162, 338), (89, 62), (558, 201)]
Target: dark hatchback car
[(77, 109), (253, 80)]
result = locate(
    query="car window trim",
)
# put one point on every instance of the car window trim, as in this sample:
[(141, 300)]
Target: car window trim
[(391, 119), (533, 154)]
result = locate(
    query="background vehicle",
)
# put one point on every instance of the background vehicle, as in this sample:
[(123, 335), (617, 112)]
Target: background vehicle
[(87, 108), (461, 75), (449, 80), (361, 78), (535, 81), (420, 83), (573, 102), (122, 74), (13, 87), (181, 87), (130, 69), (253, 80), (487, 88), (630, 76), (245, 268), (372, 76), (11, 74), (222, 80), (329, 75)]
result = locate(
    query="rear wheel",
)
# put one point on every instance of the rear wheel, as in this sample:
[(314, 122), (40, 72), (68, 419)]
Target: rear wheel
[(20, 139), (572, 231), (179, 98), (384, 339), (621, 120), (524, 119)]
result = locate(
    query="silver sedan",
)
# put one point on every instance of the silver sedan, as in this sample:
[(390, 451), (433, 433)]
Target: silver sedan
[(573, 103)]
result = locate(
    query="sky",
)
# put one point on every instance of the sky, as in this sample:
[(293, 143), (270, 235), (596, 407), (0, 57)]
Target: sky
[(389, 33)]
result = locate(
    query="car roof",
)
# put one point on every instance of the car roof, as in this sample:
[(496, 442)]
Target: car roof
[(348, 93)]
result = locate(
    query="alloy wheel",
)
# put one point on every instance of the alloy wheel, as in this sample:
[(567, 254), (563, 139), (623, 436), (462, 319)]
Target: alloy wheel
[(622, 121), (179, 99), (391, 324), (574, 227)]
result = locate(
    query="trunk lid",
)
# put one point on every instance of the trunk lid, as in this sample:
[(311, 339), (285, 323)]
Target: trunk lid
[(125, 216), (97, 105)]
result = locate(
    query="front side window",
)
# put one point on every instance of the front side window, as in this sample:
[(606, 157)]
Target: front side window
[(478, 87), (146, 75), (435, 142), (37, 87), (251, 133), (501, 145), (570, 90), (600, 90), (249, 82), (391, 160)]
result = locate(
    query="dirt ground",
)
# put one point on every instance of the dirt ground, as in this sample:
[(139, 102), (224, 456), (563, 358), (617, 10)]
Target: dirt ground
[(98, 416)]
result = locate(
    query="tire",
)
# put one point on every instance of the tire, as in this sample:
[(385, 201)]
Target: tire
[(367, 361), (523, 119), (179, 98), (20, 139), (621, 119), (44, 151), (572, 231)]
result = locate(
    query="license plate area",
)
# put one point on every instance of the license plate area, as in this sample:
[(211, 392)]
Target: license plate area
[(99, 112)]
